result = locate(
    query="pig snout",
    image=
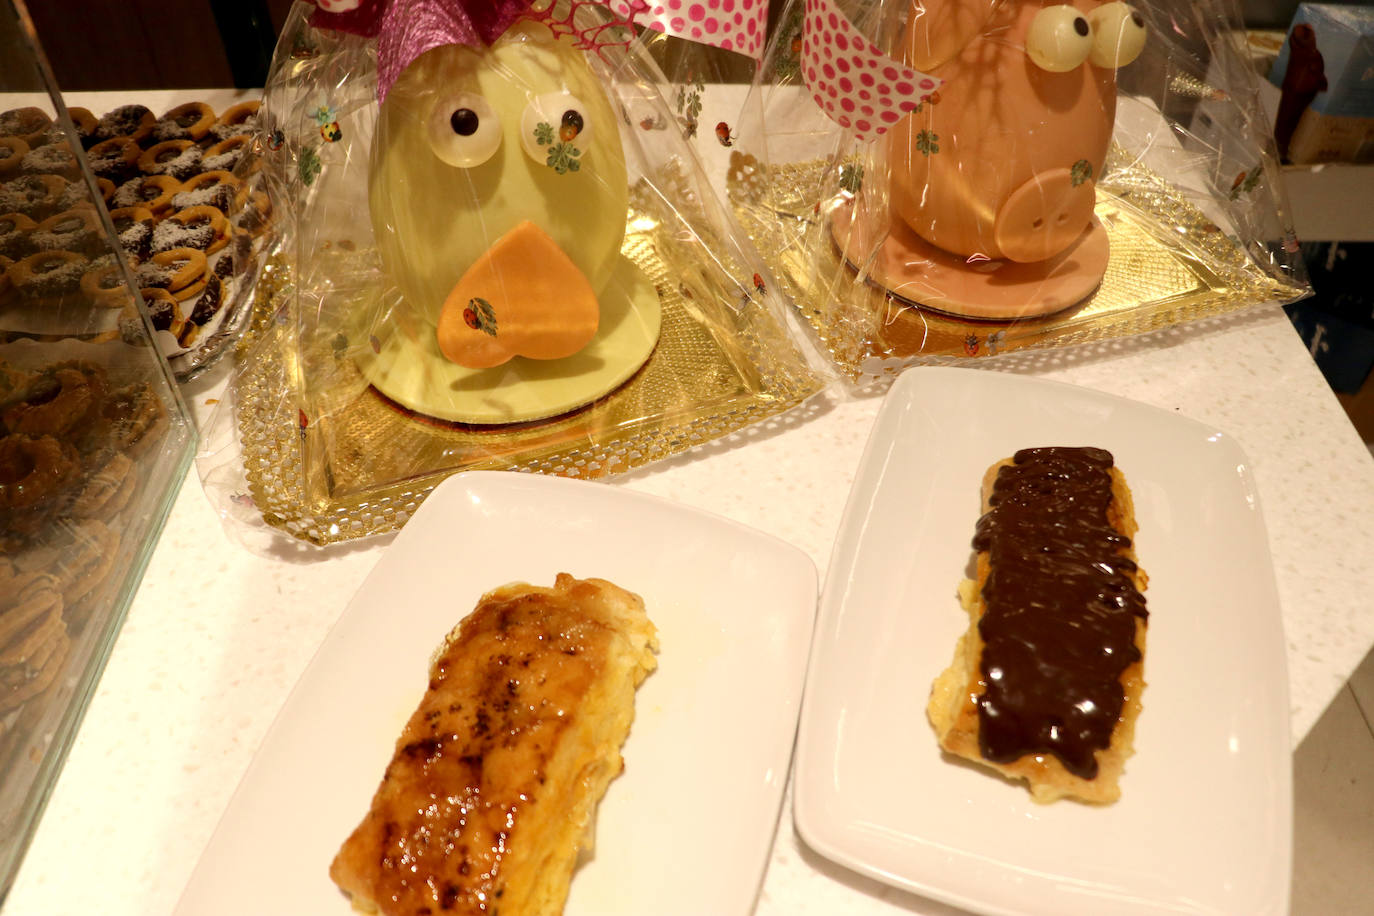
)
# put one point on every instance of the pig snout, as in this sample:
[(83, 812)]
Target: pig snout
[(1044, 216)]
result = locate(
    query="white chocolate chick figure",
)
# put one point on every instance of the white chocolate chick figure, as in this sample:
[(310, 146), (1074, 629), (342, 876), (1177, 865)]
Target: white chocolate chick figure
[(498, 197)]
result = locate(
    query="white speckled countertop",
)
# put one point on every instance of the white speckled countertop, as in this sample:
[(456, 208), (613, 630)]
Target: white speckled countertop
[(217, 636)]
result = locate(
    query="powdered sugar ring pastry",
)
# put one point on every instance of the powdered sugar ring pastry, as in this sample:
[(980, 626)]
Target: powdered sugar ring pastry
[(104, 286), (28, 124), (183, 267), (33, 195), (177, 158), (155, 192), (85, 123), (132, 121), (225, 154), (14, 235), (189, 121), (12, 153), (239, 115), (215, 188), (134, 227), (48, 274), (52, 159), (115, 159), (203, 227), (77, 229), (193, 289)]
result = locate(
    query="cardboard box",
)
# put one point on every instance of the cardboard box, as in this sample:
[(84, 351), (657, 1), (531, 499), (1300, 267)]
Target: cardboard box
[(1325, 72)]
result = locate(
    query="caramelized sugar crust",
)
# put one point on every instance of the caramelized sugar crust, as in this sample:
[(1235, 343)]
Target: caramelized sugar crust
[(491, 789)]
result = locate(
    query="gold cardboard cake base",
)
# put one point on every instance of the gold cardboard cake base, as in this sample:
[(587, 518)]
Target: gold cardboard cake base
[(329, 459), (1156, 276)]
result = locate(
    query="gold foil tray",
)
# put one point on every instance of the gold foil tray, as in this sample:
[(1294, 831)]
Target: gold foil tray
[(337, 462), (1169, 264)]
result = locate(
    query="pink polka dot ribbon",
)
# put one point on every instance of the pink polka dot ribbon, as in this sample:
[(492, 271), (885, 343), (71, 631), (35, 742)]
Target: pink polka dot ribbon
[(734, 25), (855, 84)]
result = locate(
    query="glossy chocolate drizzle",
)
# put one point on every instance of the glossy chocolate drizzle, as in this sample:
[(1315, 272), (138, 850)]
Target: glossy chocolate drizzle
[(1061, 609)]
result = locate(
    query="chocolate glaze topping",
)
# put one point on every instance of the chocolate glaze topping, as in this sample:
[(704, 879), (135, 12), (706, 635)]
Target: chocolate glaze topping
[(1061, 609)]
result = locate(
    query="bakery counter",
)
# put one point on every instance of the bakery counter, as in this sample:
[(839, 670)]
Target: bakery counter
[(218, 634)]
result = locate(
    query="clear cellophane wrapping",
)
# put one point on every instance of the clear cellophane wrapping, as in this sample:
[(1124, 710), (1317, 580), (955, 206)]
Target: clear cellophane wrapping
[(307, 445), (1189, 194)]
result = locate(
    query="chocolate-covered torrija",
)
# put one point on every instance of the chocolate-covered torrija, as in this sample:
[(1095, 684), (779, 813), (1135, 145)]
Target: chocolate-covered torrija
[(1062, 606)]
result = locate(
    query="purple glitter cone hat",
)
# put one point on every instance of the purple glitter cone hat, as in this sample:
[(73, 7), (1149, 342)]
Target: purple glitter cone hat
[(405, 29)]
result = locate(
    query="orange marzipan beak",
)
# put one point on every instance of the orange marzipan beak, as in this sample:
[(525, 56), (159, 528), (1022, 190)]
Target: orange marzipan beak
[(522, 297)]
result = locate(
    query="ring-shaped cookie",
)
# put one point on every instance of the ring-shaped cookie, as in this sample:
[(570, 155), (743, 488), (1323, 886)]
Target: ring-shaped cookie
[(36, 195), (52, 159), (205, 215), (178, 158), (124, 217), (115, 159), (217, 188), (77, 229), (15, 229), (135, 415), (57, 401), (33, 469), (164, 311), (134, 228), (104, 286), (191, 290), (12, 153), (47, 274), (239, 114), (255, 214), (153, 192), (28, 124), (193, 118), (132, 121), (184, 265), (226, 153), (85, 123)]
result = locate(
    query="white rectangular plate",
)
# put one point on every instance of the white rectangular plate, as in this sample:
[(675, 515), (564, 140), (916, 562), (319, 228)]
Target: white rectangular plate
[(1204, 822), (686, 829)]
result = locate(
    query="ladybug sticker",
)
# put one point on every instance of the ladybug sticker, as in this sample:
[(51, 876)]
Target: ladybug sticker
[(723, 134), (329, 125), (570, 126)]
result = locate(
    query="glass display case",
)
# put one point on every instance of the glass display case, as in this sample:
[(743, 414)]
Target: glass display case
[(94, 439)]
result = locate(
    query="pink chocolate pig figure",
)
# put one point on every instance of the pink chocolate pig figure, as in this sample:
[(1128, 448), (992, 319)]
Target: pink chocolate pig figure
[(992, 180)]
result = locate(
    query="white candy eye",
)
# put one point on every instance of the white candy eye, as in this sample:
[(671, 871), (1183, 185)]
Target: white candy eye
[(1060, 38), (464, 131), (1118, 35), (556, 131)]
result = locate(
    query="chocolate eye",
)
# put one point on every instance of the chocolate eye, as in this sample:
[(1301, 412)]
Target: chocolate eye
[(464, 131), (1118, 35), (557, 121), (1060, 38)]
